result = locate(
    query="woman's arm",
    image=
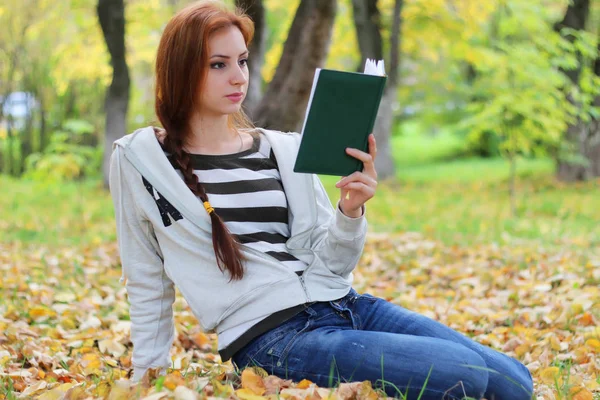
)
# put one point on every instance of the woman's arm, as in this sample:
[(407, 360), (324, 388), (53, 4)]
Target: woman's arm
[(341, 234), (151, 293), (337, 239)]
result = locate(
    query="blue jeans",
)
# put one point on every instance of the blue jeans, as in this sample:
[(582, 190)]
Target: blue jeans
[(362, 337)]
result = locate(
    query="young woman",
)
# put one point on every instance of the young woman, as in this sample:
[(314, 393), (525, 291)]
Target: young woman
[(211, 205)]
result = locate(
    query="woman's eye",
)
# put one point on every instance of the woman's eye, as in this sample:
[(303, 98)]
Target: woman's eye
[(244, 62), (217, 65)]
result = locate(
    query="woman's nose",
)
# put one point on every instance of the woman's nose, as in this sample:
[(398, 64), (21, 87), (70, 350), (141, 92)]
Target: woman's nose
[(239, 76)]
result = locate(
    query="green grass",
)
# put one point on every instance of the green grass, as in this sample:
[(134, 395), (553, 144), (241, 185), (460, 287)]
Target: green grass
[(59, 213), (412, 147), (460, 201), (466, 200)]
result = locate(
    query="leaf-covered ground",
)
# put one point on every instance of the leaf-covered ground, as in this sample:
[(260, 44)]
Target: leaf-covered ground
[(64, 328)]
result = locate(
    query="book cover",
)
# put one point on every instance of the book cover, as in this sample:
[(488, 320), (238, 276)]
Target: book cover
[(341, 113)]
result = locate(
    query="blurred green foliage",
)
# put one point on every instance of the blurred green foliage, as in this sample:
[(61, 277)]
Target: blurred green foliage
[(485, 74), (71, 154)]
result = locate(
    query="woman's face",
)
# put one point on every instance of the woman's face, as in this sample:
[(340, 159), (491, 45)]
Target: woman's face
[(226, 81)]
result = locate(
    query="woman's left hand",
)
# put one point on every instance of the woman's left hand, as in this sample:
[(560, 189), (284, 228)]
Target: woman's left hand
[(359, 187)]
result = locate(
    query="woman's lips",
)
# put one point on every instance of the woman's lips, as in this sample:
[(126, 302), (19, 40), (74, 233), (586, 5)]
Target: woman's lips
[(235, 97)]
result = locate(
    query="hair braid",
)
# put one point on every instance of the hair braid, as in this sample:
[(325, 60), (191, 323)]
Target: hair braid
[(227, 249), (181, 70)]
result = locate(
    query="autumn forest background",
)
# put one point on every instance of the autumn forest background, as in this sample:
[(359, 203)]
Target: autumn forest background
[(487, 216)]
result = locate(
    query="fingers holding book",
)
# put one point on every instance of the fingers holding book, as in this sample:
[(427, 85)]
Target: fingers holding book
[(359, 187), (368, 159)]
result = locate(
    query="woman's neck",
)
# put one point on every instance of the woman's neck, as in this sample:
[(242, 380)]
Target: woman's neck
[(212, 135)]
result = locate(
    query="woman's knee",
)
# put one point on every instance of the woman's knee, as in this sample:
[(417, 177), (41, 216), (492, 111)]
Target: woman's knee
[(515, 383), (469, 377)]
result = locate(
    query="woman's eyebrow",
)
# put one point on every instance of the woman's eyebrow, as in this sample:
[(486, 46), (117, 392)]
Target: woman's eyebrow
[(224, 56)]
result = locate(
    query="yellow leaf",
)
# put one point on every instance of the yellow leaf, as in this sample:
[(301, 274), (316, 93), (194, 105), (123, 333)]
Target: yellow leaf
[(41, 311), (521, 349), (247, 394), (111, 362), (592, 384), (112, 347), (581, 393), (36, 387), (69, 323), (120, 390), (593, 343), (303, 384), (90, 364), (253, 382), (173, 380), (366, 392), (587, 319), (76, 392), (549, 375), (260, 371), (222, 389), (555, 343), (56, 393), (576, 309), (103, 389), (200, 338)]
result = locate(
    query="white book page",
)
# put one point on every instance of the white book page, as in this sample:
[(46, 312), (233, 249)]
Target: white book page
[(373, 67), (312, 93)]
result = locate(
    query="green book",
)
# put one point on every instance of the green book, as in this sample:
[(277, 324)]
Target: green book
[(341, 113)]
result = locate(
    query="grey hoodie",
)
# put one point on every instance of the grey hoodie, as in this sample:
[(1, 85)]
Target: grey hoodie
[(164, 237)]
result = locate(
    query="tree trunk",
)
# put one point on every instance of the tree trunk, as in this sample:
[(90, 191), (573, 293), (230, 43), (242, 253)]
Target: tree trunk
[(256, 11), (384, 125), (583, 137), (366, 19), (10, 142), (594, 152), (575, 18), (368, 24), (43, 134), (26, 144), (284, 104), (111, 14), (513, 184)]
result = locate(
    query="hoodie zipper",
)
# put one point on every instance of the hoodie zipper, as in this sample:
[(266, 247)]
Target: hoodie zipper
[(313, 225), (301, 234)]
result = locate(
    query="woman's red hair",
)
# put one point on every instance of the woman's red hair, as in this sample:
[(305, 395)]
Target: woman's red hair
[(181, 68)]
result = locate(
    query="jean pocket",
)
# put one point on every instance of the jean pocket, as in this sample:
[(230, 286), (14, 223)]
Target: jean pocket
[(279, 351), (252, 353)]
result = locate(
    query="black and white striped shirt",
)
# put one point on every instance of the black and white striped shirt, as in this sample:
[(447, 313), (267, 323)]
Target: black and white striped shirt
[(245, 190)]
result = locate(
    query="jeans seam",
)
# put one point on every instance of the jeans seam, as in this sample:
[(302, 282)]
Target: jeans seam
[(288, 346), (324, 316), (292, 341), (268, 344)]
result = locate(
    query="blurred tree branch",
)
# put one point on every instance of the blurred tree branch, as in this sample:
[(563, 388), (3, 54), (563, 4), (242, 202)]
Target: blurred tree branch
[(111, 15), (256, 10)]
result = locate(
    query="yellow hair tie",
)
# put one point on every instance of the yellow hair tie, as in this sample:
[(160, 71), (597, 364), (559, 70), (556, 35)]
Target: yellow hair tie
[(208, 208)]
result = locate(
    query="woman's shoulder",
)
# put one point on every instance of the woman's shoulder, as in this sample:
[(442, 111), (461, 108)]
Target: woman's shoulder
[(276, 136), (275, 132)]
